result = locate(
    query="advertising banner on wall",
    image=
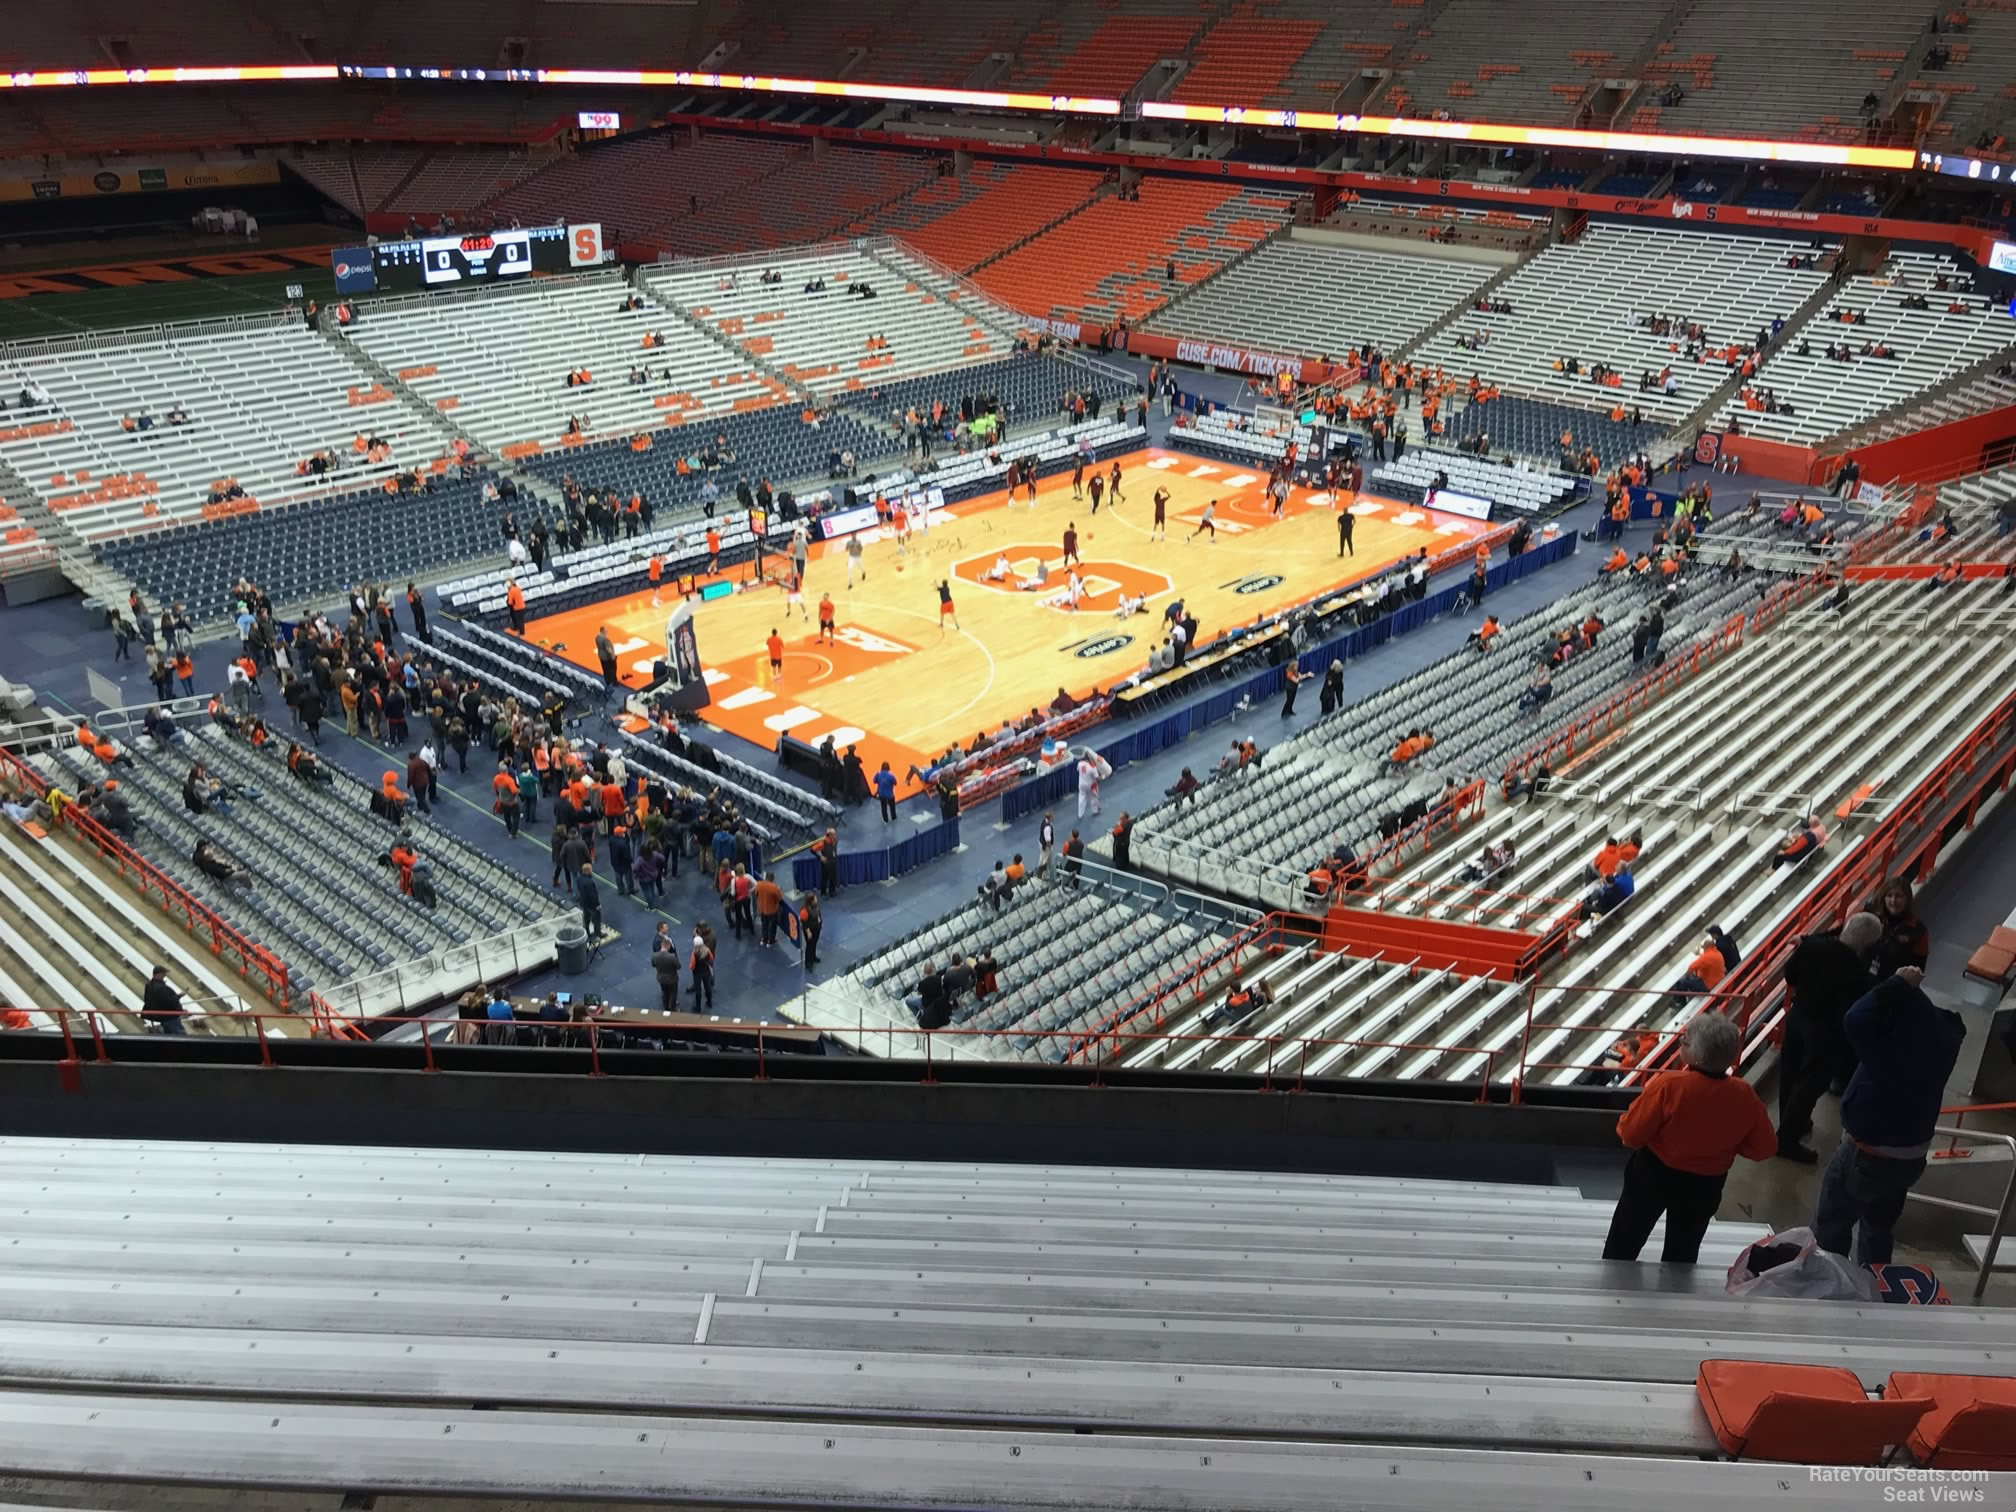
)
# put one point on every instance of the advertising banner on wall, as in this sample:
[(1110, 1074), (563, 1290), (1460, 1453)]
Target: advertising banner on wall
[(152, 179)]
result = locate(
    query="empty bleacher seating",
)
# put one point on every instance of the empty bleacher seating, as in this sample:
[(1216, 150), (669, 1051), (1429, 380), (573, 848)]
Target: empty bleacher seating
[(775, 443), (357, 178), (77, 940), (454, 180), (1737, 83), (496, 362), (1073, 953), (1957, 329), (260, 397), (1585, 299), (1030, 386), (1350, 40), (643, 186), (1089, 51), (1243, 59), (313, 549), (963, 222), (1531, 428), (881, 1300), (1255, 832), (1311, 298), (1526, 490), (318, 895), (1477, 68), (809, 197), (834, 339), (1842, 752), (926, 43), (1990, 391)]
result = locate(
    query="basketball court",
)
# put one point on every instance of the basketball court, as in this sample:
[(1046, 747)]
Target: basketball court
[(903, 687)]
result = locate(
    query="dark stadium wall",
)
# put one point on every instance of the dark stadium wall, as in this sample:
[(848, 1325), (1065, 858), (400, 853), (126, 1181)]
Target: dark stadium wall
[(721, 1111)]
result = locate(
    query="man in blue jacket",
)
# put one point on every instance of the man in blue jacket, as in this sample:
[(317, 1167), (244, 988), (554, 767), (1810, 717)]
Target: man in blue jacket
[(1907, 1046)]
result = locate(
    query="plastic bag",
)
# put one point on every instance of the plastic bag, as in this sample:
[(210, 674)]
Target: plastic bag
[(1811, 1273)]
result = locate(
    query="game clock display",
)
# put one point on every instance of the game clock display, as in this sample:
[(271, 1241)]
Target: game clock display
[(437, 262)]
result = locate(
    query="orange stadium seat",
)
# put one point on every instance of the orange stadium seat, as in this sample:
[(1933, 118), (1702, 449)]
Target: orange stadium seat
[(1805, 1414)]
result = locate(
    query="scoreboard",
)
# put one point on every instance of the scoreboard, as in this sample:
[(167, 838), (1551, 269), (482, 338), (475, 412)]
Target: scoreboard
[(460, 261), (450, 261)]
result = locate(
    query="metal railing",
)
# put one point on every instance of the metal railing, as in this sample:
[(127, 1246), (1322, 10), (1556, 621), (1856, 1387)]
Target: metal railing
[(215, 325), (30, 558), (57, 732), (1999, 1215), (411, 983), (1597, 725), (1285, 1067), (1477, 903)]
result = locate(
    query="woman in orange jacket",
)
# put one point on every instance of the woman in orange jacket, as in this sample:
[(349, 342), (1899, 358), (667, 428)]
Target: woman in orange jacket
[(1685, 1130)]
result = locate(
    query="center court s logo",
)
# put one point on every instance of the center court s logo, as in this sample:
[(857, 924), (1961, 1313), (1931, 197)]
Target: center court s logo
[(1104, 645), (1259, 583)]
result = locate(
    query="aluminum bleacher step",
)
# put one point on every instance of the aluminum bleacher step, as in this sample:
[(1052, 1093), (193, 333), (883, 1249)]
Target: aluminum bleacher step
[(429, 1451), (322, 1318), (566, 1373)]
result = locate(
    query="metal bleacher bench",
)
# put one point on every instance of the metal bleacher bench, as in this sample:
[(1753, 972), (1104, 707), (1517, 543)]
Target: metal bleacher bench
[(858, 1333)]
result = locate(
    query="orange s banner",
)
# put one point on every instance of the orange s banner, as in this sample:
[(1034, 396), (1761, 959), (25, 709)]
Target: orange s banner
[(584, 246)]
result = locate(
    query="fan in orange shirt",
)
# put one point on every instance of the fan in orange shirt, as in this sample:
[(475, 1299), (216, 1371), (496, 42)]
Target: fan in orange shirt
[(1706, 970)]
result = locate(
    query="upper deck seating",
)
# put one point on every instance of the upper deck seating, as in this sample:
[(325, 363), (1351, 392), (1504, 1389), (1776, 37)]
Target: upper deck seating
[(1313, 299), (834, 339), (1955, 330), (495, 362), (259, 398), (1586, 300)]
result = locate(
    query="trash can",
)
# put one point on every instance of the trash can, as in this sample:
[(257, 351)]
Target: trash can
[(572, 940)]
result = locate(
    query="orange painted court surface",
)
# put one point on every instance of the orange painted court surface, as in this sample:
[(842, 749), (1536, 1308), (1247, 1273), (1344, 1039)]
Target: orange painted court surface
[(903, 688)]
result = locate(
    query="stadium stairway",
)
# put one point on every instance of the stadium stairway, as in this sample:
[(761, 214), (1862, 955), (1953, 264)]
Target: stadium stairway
[(388, 1321)]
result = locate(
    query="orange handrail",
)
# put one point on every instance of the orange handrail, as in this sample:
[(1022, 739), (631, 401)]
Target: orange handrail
[(175, 898), (1875, 858)]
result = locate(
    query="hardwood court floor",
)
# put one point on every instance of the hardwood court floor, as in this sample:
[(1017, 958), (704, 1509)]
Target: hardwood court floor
[(903, 688)]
